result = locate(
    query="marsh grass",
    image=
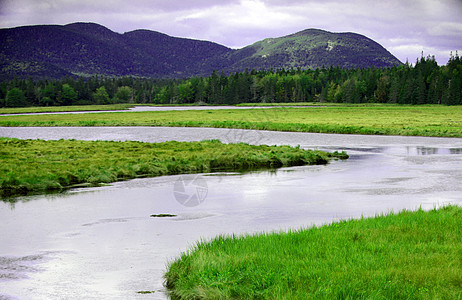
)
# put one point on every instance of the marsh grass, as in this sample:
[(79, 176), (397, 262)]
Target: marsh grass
[(429, 120), (37, 166), (42, 109), (409, 255)]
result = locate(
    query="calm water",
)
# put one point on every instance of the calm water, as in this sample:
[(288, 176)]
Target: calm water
[(102, 243)]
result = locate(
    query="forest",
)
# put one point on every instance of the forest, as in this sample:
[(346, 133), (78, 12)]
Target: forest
[(424, 82)]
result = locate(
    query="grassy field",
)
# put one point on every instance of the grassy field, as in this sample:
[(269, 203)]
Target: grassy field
[(41, 109), (410, 255), (445, 121), (313, 104), (37, 166)]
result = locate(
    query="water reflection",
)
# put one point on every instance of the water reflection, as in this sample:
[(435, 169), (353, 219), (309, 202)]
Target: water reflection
[(455, 150), (432, 151)]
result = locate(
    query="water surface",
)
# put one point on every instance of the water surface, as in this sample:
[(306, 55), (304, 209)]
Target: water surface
[(101, 243)]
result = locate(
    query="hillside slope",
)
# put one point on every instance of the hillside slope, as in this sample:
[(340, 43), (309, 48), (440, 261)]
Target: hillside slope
[(87, 49), (313, 48)]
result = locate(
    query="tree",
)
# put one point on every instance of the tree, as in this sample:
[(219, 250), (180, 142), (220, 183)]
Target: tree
[(101, 96), (50, 91), (68, 94), (383, 88), (124, 95), (349, 91), (394, 90), (15, 98), (185, 92)]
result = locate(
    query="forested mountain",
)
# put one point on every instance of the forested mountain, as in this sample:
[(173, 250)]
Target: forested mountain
[(313, 48), (54, 51)]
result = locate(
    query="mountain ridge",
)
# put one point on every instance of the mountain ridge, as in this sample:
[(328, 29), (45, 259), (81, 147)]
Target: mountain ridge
[(91, 49)]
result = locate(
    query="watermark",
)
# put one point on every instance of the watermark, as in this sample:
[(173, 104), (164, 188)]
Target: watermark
[(261, 115), (248, 136), (190, 190)]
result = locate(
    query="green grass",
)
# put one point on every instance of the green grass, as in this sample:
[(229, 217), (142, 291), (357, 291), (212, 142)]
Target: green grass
[(316, 104), (42, 109), (410, 255), (444, 121), (37, 166)]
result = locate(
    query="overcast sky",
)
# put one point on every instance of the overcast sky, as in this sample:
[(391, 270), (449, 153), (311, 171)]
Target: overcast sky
[(403, 27)]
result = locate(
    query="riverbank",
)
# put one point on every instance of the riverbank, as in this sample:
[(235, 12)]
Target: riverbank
[(429, 120), (38, 166), (405, 255)]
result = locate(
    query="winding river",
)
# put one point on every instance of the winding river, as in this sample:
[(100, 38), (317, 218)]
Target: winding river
[(101, 243)]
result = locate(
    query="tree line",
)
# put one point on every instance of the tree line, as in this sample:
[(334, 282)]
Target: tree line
[(422, 83)]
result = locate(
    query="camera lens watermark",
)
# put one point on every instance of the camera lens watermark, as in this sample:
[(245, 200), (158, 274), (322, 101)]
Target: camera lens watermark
[(258, 114), (190, 190)]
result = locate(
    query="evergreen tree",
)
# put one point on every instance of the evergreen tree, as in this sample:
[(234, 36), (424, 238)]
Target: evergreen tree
[(15, 98), (68, 95)]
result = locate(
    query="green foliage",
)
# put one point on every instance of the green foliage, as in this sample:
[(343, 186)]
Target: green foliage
[(15, 97), (101, 96), (409, 255), (68, 94), (124, 95), (37, 166)]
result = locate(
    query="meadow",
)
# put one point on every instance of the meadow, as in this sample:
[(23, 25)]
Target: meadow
[(42, 109), (409, 255), (38, 166), (428, 120)]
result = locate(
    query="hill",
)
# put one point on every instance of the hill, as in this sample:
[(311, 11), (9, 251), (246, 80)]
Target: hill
[(85, 49), (314, 48)]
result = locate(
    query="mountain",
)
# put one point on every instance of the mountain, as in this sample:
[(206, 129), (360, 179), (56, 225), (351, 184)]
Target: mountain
[(85, 49), (314, 48)]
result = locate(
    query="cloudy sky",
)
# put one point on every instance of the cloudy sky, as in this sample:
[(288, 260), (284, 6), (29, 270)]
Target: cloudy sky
[(404, 27)]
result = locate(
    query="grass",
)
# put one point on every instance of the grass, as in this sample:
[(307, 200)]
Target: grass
[(312, 104), (38, 166), (41, 109), (430, 120), (409, 255)]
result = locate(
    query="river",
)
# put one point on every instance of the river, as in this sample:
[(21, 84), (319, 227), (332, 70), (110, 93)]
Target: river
[(101, 243)]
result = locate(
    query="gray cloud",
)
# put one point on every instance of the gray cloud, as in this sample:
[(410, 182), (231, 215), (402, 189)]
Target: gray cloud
[(405, 28)]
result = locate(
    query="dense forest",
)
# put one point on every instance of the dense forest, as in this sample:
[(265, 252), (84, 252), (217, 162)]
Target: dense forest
[(422, 83)]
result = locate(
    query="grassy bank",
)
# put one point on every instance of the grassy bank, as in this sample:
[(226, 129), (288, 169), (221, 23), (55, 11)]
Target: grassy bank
[(36, 166), (445, 121), (410, 255), (42, 109)]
